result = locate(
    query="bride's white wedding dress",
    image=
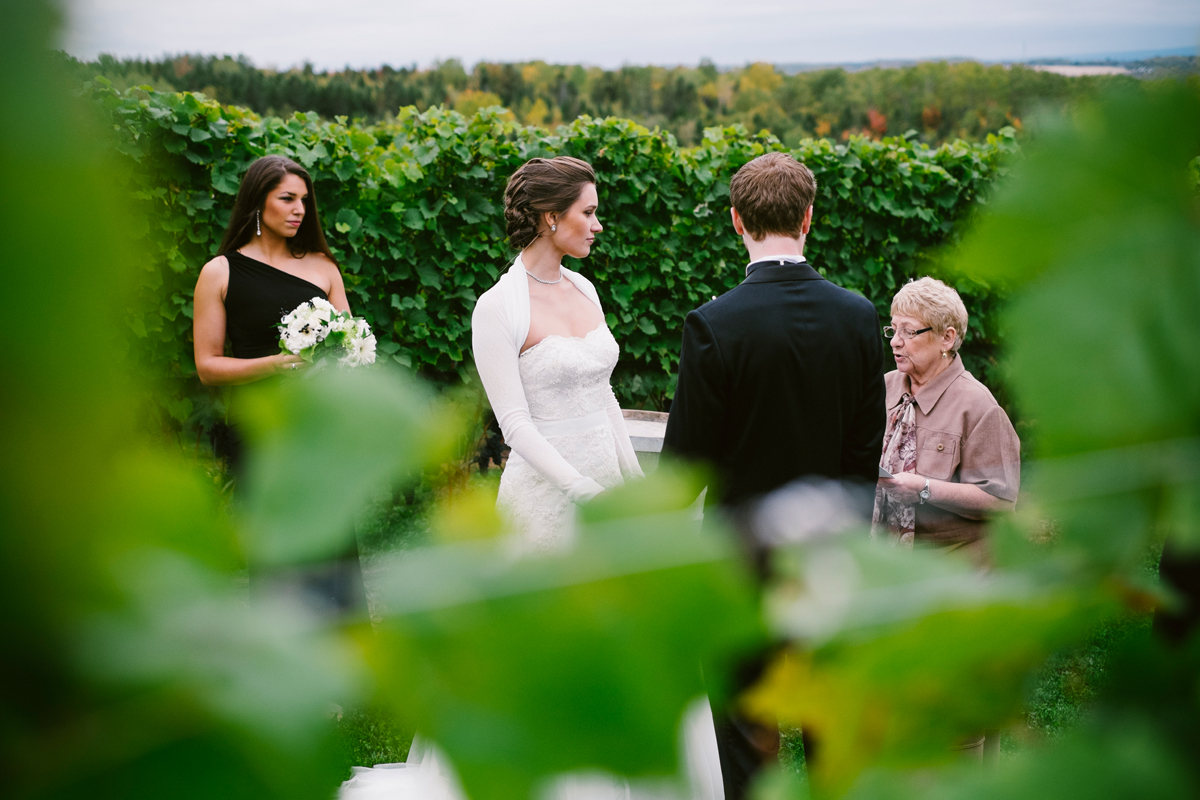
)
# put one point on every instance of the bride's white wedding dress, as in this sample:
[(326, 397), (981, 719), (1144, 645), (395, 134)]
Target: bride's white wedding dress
[(566, 385), (556, 408)]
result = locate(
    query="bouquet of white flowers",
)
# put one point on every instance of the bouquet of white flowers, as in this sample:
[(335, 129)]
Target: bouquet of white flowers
[(316, 330)]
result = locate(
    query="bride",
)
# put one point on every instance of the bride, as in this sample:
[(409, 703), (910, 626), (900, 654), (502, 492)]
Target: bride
[(545, 355)]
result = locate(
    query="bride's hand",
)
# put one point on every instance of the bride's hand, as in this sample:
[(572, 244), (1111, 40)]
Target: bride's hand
[(587, 491)]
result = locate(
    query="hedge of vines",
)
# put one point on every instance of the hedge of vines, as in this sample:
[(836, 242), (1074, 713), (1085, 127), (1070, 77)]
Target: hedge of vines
[(412, 210)]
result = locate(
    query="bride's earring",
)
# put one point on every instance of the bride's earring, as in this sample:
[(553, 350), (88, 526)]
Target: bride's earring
[(258, 222), (553, 228)]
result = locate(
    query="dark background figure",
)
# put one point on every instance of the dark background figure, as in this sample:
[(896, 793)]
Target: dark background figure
[(780, 379), (273, 258), (1180, 570)]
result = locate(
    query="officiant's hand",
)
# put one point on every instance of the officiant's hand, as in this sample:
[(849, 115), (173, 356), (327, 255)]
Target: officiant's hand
[(904, 487)]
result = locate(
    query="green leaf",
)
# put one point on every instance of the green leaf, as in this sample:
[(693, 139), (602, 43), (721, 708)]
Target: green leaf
[(180, 408), (587, 658), (413, 218), (429, 276), (348, 221), (320, 446), (361, 141)]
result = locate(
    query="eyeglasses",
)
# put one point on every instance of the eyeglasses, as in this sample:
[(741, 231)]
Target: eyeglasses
[(890, 332)]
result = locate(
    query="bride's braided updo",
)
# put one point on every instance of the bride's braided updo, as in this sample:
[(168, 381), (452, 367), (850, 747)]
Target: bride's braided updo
[(542, 186)]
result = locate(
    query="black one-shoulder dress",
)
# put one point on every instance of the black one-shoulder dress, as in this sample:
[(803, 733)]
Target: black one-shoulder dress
[(256, 299)]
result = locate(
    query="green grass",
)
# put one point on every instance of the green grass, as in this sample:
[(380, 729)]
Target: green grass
[(791, 752), (1066, 685), (371, 738), (1062, 691), (395, 521)]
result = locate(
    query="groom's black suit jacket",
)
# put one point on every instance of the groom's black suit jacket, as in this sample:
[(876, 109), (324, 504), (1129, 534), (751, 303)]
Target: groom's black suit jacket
[(780, 378)]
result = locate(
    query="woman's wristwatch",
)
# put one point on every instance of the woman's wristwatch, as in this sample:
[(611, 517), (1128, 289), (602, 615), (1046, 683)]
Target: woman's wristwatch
[(924, 493)]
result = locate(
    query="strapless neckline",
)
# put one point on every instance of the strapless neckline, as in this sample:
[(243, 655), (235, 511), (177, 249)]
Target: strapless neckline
[(583, 338)]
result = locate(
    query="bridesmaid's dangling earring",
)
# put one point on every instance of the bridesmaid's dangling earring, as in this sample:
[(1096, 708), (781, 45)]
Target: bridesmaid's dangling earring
[(258, 222)]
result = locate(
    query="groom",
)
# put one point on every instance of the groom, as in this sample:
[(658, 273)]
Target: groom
[(780, 378)]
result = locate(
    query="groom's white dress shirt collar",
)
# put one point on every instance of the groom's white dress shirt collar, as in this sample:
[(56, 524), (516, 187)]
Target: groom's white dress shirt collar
[(790, 259)]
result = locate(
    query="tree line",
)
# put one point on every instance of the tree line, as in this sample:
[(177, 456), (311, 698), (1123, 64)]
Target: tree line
[(939, 101)]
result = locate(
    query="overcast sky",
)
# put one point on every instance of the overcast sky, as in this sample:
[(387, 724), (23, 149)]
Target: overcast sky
[(363, 33)]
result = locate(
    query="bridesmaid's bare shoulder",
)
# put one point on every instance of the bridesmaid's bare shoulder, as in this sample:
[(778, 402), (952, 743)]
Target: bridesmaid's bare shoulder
[(323, 265), (214, 274)]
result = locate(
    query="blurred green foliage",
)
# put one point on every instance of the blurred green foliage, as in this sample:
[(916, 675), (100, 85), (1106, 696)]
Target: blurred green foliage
[(1063, 691), (908, 653), (582, 658), (131, 662), (295, 510)]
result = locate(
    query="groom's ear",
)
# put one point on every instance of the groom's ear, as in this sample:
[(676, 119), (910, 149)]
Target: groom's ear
[(807, 224), (737, 222)]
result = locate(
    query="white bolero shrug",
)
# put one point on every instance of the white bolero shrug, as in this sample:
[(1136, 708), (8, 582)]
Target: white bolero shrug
[(499, 327)]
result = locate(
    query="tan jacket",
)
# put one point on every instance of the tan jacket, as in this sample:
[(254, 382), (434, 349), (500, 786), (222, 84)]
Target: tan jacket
[(964, 436)]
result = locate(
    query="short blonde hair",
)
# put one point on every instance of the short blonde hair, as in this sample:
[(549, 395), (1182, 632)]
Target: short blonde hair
[(935, 304)]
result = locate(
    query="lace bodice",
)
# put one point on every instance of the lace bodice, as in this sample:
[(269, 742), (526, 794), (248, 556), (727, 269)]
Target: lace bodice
[(566, 384), (554, 405), (567, 377)]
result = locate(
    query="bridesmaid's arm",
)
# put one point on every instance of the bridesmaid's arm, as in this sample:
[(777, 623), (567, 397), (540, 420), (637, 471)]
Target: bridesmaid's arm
[(208, 335), (337, 288)]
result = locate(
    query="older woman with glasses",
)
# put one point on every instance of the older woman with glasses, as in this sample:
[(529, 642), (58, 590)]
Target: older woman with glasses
[(952, 452)]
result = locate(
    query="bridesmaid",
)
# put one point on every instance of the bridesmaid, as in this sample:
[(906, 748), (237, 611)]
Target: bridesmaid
[(273, 258)]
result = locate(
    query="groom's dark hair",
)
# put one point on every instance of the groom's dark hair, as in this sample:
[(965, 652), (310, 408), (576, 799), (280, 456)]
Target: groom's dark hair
[(771, 193)]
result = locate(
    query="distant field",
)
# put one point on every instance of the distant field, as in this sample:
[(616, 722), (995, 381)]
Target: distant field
[(1080, 70)]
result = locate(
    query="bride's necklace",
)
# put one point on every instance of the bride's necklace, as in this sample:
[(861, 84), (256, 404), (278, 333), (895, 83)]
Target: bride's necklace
[(549, 283)]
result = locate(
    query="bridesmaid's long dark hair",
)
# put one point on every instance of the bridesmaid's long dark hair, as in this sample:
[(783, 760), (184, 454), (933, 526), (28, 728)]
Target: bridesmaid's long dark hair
[(263, 176)]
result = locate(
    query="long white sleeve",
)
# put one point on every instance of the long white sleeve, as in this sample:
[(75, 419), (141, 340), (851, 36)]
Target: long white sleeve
[(496, 353), (627, 458)]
